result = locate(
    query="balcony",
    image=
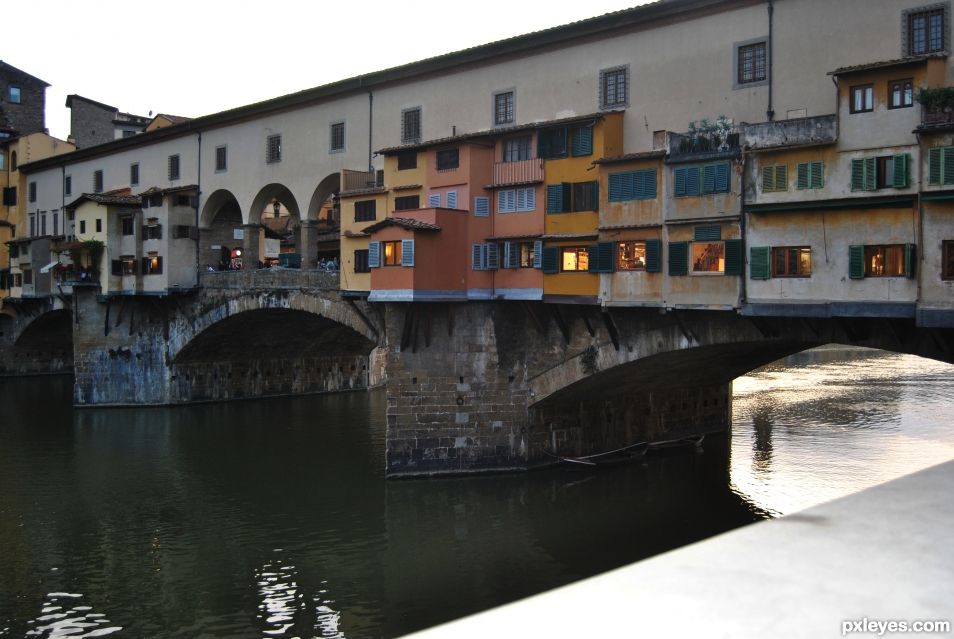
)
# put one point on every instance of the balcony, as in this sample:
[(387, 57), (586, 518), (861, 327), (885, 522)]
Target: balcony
[(822, 129), (939, 118), (705, 143), (520, 172), (361, 180)]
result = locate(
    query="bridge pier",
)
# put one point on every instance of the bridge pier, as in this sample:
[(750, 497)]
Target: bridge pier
[(252, 237)]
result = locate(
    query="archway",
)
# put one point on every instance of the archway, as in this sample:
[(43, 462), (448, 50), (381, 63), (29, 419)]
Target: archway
[(320, 232), (277, 211), (222, 231), (45, 345)]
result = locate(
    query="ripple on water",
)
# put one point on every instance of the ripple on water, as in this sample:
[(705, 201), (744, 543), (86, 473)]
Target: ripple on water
[(59, 618)]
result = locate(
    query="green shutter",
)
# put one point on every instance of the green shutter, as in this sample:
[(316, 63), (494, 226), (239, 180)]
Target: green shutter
[(543, 144), (592, 258), (582, 143), (760, 262), (768, 179), (803, 175), (781, 177), (680, 179), (551, 259), (856, 262), (555, 198), (678, 258), (709, 178), (934, 166), (947, 165), (606, 257), (871, 174), (900, 177), (910, 260), (653, 256), (733, 257), (707, 232), (817, 178), (858, 174)]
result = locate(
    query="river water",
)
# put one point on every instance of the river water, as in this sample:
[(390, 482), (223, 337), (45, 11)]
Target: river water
[(271, 518)]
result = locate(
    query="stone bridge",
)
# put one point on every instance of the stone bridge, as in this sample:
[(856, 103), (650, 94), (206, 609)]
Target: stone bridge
[(495, 385)]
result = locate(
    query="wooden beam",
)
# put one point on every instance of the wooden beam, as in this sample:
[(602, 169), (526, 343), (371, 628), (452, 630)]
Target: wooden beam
[(558, 318), (528, 308), (610, 325), (586, 321)]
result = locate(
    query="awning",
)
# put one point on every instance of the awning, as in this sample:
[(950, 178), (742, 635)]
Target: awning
[(46, 269)]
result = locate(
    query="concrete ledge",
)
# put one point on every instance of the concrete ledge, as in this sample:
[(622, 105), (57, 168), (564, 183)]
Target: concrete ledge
[(882, 554)]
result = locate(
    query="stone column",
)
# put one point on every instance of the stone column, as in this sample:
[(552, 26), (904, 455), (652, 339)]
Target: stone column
[(308, 244), (250, 248)]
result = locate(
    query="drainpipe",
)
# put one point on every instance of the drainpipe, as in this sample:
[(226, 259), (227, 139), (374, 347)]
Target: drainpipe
[(370, 127), (198, 192), (770, 112), (919, 228), (743, 211)]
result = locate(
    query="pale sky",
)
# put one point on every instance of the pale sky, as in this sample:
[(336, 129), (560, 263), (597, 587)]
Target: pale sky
[(200, 57)]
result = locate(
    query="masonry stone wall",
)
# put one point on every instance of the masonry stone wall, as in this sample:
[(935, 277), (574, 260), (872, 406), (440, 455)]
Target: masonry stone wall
[(90, 124)]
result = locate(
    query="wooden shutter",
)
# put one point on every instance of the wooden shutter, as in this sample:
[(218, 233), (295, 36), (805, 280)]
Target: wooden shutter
[(680, 179), (900, 177), (582, 141), (645, 184), (434, 200), (550, 261), (481, 206), (947, 165), (709, 178), (803, 175), (593, 258), (374, 254), (910, 260), (653, 256), (871, 174), (606, 257), (678, 258), (733, 257), (934, 166), (856, 262), (537, 254), (620, 187), (452, 199), (476, 257), (555, 198), (722, 178), (692, 180), (407, 252), (531, 195), (781, 177), (768, 179), (493, 255), (816, 178), (707, 232), (521, 199), (760, 262)]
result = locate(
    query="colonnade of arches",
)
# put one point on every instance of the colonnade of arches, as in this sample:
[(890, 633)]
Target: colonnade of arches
[(274, 230)]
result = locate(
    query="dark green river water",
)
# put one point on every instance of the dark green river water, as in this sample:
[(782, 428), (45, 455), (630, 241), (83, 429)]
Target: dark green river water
[(271, 518)]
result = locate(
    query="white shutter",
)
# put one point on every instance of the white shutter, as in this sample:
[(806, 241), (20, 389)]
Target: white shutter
[(452, 199), (507, 250), (374, 254), (538, 254), (505, 201), (434, 200), (493, 256), (531, 198), (407, 252), (521, 200), (476, 258)]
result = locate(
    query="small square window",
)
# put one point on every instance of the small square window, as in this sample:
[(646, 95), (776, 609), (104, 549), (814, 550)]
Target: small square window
[(752, 63), (337, 135), (411, 125), (575, 258), (614, 88), (862, 99), (273, 149), (448, 159), (14, 95), (407, 160), (900, 94), (925, 30), (504, 108)]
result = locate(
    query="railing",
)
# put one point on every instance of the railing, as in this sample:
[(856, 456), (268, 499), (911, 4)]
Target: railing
[(270, 279), (929, 118), (520, 172), (703, 144), (794, 132), (357, 180)]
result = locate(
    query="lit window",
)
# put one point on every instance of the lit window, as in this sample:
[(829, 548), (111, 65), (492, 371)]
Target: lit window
[(791, 261), (391, 252), (708, 257), (862, 99), (152, 265), (900, 94), (574, 258), (503, 108), (527, 254), (884, 261), (631, 256)]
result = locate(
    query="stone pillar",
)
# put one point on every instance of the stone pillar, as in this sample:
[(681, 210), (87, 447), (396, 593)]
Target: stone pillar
[(308, 245), (250, 249)]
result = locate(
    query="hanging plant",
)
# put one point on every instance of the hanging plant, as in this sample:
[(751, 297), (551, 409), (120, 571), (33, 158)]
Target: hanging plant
[(936, 99), (94, 251)]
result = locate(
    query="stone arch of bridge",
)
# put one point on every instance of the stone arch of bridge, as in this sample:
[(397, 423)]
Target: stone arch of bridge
[(285, 324), (48, 331)]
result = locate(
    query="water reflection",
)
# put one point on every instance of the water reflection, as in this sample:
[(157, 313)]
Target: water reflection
[(64, 615)]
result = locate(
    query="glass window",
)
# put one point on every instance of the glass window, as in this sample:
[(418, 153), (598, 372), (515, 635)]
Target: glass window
[(575, 258), (862, 99), (791, 261), (527, 254), (407, 160), (391, 252), (14, 95), (925, 31), (708, 257), (337, 137), (273, 149), (884, 261), (517, 149), (947, 264), (411, 125), (503, 108), (221, 158), (614, 88), (900, 94), (448, 159), (631, 256), (752, 66)]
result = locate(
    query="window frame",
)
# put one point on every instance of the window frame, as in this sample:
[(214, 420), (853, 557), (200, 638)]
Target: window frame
[(513, 149), (68, 185), (98, 181), (909, 37), (336, 130), (873, 250), (622, 263), (403, 160), (868, 99), (361, 261), (222, 153), (127, 225), (614, 75), (19, 94), (406, 199), (31, 191), (369, 212), (947, 260), (134, 174), (447, 159), (739, 80), (787, 252), (396, 253), (582, 259), (508, 115), (412, 134), (906, 94), (175, 167), (273, 148), (693, 260)]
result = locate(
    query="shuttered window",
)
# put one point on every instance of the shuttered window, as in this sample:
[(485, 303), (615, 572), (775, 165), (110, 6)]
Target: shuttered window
[(601, 257), (678, 258), (774, 178), (941, 166), (558, 197), (706, 232), (653, 256), (407, 252), (374, 254), (810, 175), (551, 143), (733, 257), (632, 185), (567, 197), (700, 180), (864, 174), (582, 141), (485, 257), (891, 260), (759, 262), (452, 199), (481, 206), (365, 210), (434, 200), (550, 259)]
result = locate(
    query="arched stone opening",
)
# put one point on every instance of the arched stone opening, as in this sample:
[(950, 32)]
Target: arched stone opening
[(221, 232), (273, 236)]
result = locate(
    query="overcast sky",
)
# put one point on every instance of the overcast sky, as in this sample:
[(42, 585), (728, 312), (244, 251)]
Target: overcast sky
[(203, 56)]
